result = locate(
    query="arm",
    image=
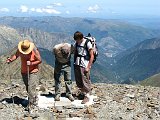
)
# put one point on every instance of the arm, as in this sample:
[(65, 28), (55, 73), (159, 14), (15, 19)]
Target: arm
[(13, 57), (37, 58), (90, 60), (72, 49)]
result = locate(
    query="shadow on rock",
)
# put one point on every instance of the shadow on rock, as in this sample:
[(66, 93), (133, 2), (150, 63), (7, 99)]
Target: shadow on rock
[(16, 100)]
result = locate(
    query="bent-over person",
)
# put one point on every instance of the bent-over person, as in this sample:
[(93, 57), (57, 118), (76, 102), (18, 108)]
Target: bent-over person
[(62, 54)]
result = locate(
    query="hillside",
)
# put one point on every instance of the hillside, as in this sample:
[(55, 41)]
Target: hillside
[(8, 38), (44, 39), (139, 62), (152, 81), (146, 44)]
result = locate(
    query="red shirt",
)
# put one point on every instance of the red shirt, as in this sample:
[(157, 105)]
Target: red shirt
[(33, 57)]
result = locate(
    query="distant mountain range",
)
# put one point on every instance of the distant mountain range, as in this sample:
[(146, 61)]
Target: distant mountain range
[(151, 22), (108, 32)]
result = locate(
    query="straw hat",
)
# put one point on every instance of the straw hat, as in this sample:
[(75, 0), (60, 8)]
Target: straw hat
[(25, 46)]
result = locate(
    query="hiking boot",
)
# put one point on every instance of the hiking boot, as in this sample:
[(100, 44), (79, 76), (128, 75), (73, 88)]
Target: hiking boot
[(81, 96), (85, 100), (70, 97), (57, 98), (30, 107)]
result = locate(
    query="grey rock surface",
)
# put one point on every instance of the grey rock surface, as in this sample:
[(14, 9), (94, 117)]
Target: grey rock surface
[(113, 102)]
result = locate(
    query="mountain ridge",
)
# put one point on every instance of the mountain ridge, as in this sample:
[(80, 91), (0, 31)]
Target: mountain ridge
[(143, 62), (124, 33)]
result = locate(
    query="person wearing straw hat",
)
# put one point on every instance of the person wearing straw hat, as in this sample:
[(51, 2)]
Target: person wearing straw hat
[(62, 54), (30, 59)]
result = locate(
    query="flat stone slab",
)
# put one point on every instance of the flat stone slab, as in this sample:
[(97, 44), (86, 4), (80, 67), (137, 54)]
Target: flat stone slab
[(74, 118), (47, 102), (77, 103)]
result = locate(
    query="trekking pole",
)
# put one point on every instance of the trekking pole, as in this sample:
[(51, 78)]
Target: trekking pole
[(27, 88), (11, 84)]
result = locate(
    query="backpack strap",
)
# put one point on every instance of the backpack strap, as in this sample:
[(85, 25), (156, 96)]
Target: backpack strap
[(85, 48), (85, 45)]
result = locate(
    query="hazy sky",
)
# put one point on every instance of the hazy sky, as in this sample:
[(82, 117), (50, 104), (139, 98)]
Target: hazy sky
[(79, 8)]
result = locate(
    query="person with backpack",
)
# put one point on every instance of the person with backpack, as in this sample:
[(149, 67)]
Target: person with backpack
[(62, 54), (30, 60), (83, 59)]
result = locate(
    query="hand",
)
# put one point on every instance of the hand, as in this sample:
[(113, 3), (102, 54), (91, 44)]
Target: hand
[(87, 70), (8, 60), (28, 63)]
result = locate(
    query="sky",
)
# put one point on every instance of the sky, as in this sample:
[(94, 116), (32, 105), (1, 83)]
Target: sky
[(80, 8)]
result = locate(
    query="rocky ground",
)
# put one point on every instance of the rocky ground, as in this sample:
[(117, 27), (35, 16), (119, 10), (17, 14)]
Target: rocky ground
[(113, 102)]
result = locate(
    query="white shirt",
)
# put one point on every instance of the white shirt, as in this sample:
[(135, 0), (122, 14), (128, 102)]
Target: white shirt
[(81, 61)]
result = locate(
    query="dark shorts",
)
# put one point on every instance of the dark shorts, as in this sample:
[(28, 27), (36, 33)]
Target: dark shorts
[(82, 79)]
